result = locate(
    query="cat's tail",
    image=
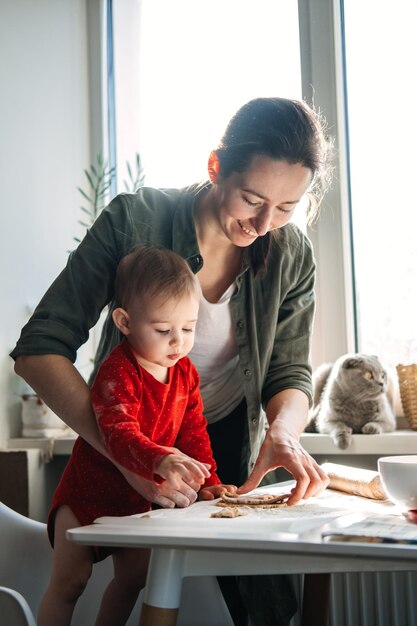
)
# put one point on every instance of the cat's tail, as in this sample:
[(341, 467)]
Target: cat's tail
[(311, 427), (312, 420), (320, 378)]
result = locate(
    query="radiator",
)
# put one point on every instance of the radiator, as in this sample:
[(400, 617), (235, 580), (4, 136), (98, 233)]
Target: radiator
[(383, 599)]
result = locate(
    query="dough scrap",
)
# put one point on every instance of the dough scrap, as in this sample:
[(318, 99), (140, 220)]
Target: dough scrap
[(229, 511)]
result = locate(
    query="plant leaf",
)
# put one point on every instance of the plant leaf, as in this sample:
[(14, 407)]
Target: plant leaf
[(84, 194), (90, 180)]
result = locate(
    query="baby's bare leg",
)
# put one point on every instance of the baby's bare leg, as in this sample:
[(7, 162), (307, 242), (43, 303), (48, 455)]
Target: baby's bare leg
[(130, 568), (71, 569)]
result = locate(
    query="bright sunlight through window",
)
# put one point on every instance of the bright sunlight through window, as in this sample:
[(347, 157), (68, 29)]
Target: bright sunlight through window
[(381, 58), (197, 62)]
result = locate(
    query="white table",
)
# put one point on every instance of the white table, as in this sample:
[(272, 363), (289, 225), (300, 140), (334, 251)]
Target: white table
[(188, 542)]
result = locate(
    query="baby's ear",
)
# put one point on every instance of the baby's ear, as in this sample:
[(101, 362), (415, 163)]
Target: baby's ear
[(121, 320)]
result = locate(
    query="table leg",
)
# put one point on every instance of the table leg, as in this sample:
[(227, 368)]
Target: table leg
[(163, 588), (155, 616), (316, 600)]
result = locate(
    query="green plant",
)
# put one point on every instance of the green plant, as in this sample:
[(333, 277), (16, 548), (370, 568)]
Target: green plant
[(99, 180), (136, 178)]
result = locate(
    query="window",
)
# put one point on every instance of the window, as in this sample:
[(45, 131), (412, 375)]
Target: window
[(183, 68), (381, 52)]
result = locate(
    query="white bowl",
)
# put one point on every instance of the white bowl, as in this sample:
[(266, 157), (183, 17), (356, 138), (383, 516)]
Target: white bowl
[(399, 479)]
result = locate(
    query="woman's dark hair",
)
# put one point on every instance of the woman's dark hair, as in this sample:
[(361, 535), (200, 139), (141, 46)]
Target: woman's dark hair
[(153, 272), (284, 130)]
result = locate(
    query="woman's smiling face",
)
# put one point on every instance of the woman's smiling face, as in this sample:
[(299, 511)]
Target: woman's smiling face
[(250, 204)]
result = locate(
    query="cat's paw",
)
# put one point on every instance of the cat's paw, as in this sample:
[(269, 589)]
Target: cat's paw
[(371, 428), (342, 440)]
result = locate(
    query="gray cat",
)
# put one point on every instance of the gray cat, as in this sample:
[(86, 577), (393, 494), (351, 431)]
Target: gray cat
[(352, 395)]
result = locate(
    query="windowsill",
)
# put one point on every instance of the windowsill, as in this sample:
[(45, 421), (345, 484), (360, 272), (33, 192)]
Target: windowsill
[(402, 441), (61, 445)]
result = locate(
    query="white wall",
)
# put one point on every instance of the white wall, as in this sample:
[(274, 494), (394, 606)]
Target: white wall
[(44, 147)]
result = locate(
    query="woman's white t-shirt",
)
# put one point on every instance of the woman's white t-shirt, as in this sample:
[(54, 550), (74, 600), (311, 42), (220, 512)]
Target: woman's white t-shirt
[(216, 358)]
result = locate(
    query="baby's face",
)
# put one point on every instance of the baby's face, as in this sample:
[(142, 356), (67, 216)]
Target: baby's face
[(162, 331)]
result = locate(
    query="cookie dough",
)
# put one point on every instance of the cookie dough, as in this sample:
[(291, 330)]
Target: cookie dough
[(266, 499), (230, 511)]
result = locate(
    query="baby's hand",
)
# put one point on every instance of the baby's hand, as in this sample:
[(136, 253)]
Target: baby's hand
[(216, 491), (178, 467)]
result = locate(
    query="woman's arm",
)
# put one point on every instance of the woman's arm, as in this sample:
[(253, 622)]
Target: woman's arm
[(287, 385), (287, 417), (59, 384)]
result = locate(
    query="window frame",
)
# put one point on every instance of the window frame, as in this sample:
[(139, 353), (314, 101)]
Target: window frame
[(324, 85)]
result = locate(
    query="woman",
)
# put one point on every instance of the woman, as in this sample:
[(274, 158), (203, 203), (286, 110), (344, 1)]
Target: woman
[(256, 271)]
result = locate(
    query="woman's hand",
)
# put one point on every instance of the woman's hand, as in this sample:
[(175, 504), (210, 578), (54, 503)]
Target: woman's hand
[(281, 448), (163, 494), (216, 491)]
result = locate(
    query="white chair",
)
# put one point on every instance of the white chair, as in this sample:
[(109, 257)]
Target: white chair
[(25, 555), (25, 563), (14, 609)]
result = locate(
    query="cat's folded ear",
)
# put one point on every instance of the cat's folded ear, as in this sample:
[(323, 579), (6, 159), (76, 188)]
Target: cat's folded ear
[(351, 363)]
